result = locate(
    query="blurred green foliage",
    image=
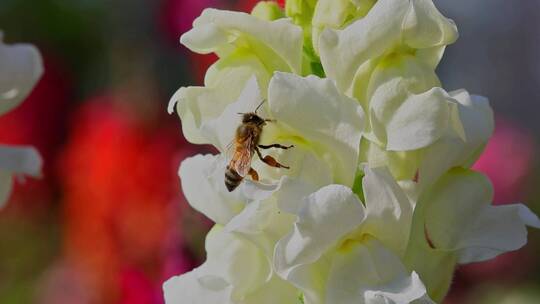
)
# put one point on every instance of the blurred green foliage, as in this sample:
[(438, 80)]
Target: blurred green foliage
[(27, 247)]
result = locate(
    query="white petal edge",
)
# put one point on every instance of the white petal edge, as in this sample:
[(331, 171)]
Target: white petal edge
[(198, 105), (498, 229), (20, 160), (22, 67), (17, 161)]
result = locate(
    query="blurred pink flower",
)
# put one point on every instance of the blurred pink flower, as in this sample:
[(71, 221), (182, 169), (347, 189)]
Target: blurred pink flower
[(177, 15), (137, 288), (248, 5), (176, 18), (507, 160)]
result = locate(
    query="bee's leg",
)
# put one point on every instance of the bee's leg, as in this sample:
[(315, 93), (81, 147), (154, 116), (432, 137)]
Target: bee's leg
[(254, 175), (275, 146), (270, 120), (259, 153), (269, 160), (272, 162)]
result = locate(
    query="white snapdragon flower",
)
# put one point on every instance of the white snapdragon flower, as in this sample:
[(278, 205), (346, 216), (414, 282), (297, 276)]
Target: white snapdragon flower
[(370, 209), (341, 251), (20, 69)]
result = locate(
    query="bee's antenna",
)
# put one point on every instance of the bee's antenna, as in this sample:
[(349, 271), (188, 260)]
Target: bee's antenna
[(260, 105)]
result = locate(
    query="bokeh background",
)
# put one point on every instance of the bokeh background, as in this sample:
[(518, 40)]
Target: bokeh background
[(108, 223)]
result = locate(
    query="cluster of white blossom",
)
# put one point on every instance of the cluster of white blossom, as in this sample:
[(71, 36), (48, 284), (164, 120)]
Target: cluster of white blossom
[(379, 204), (20, 69)]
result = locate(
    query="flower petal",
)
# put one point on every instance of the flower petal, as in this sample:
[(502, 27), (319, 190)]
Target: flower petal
[(332, 13), (220, 131), (304, 163), (203, 182), (325, 217), (498, 229), (274, 291), (476, 117), (268, 11), (187, 289), (389, 212), (471, 125), (262, 223), (335, 14), (20, 160), (202, 178), (22, 67), (425, 27), (246, 50), (415, 121), (311, 280), (460, 218), (277, 43), (236, 261), (388, 24), (402, 164), (409, 74), (198, 105), (292, 193), (367, 272), (313, 109), (235, 271), (17, 161)]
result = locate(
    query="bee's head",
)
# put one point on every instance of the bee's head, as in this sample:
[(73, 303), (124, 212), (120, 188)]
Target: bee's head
[(252, 118)]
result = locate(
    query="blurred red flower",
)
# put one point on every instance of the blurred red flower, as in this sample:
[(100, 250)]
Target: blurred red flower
[(121, 205)]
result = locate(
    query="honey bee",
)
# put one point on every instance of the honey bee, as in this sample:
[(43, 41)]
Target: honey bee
[(245, 144)]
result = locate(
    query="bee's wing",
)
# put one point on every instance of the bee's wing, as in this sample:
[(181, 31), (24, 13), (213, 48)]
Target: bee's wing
[(241, 159), (229, 151)]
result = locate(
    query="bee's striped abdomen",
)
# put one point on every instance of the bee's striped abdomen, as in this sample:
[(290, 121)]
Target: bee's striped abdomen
[(232, 179)]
